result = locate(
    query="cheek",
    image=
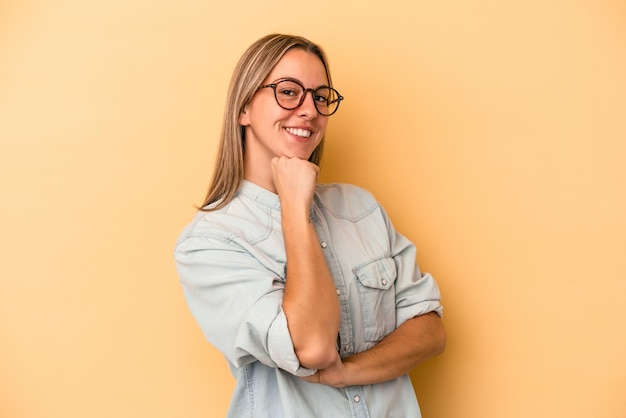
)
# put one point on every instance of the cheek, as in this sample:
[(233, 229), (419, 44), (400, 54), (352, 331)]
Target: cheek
[(266, 116), (323, 124)]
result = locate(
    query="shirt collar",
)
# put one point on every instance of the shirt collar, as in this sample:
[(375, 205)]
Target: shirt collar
[(265, 197), (259, 194)]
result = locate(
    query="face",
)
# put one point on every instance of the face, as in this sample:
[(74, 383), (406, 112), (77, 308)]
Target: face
[(272, 131)]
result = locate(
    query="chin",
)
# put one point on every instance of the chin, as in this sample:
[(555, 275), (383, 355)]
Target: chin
[(301, 155)]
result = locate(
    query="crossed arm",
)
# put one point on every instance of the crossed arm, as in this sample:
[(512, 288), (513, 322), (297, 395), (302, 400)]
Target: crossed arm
[(412, 343), (310, 300), (312, 307)]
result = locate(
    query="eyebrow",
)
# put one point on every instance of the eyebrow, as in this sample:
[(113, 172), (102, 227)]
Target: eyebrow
[(297, 81)]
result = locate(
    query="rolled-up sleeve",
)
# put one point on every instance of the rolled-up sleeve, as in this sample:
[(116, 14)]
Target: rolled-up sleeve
[(236, 301), (417, 293)]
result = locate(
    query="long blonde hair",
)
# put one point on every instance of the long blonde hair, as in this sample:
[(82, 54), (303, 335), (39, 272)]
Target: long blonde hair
[(253, 67)]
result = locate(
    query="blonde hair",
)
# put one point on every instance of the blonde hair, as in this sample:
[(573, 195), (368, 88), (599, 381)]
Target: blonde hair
[(253, 67)]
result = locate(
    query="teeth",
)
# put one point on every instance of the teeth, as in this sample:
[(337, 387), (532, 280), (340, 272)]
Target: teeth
[(299, 132)]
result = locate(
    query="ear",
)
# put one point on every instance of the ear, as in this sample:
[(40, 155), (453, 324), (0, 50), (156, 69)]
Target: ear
[(244, 118)]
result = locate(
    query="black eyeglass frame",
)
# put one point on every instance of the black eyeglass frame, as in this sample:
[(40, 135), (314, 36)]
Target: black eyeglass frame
[(305, 91)]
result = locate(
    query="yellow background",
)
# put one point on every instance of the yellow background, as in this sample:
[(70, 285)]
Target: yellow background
[(493, 132)]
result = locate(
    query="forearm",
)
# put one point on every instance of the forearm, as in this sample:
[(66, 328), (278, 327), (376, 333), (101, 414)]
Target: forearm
[(412, 343), (310, 300)]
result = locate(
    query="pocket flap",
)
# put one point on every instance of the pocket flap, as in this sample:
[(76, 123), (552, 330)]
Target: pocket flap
[(377, 274)]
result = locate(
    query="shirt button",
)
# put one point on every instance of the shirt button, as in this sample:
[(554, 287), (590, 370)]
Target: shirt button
[(347, 347), (338, 292), (384, 282), (323, 244), (357, 399)]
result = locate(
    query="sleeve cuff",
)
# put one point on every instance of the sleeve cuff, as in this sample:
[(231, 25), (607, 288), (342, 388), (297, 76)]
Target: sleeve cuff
[(428, 299), (280, 347)]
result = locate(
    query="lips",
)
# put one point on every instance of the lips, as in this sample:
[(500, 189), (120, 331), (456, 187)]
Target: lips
[(302, 133)]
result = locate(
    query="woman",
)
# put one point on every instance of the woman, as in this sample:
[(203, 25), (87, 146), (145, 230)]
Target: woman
[(308, 291)]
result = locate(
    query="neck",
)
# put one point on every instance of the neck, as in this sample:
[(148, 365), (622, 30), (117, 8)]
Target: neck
[(258, 175)]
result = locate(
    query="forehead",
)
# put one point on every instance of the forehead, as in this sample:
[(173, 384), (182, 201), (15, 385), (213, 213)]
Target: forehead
[(301, 65)]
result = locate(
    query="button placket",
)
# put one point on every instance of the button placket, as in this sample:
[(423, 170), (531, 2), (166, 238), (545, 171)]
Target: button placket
[(325, 242), (358, 404)]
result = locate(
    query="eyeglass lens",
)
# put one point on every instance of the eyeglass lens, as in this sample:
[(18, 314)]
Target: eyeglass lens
[(289, 95)]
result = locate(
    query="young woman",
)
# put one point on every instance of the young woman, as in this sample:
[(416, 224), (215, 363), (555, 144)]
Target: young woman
[(311, 295)]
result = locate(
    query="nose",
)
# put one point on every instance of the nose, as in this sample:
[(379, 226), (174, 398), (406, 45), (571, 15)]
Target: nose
[(307, 108)]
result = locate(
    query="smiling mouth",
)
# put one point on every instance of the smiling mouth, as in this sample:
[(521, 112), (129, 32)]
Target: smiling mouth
[(302, 133)]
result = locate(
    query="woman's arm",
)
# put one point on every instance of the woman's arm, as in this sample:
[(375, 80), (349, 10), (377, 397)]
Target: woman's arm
[(412, 343), (310, 300)]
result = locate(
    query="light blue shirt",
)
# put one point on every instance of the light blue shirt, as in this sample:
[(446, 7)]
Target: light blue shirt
[(231, 263)]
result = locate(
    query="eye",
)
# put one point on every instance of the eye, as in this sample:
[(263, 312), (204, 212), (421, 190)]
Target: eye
[(323, 96), (320, 98), (286, 92)]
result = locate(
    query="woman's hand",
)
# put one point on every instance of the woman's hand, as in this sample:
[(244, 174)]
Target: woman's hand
[(335, 375), (294, 180)]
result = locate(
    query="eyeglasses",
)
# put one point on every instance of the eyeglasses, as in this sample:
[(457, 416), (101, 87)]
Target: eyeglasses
[(290, 94)]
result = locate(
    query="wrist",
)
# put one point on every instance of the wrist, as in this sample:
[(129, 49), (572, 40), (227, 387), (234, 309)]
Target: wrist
[(349, 377), (298, 212), (293, 204)]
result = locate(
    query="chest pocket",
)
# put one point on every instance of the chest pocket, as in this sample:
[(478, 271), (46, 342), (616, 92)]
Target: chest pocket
[(375, 281)]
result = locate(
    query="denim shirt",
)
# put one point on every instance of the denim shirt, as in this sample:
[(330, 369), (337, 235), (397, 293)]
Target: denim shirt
[(232, 267)]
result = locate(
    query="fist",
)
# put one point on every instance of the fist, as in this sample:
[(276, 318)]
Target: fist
[(294, 179)]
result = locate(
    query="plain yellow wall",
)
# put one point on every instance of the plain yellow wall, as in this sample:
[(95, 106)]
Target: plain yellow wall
[(493, 132)]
